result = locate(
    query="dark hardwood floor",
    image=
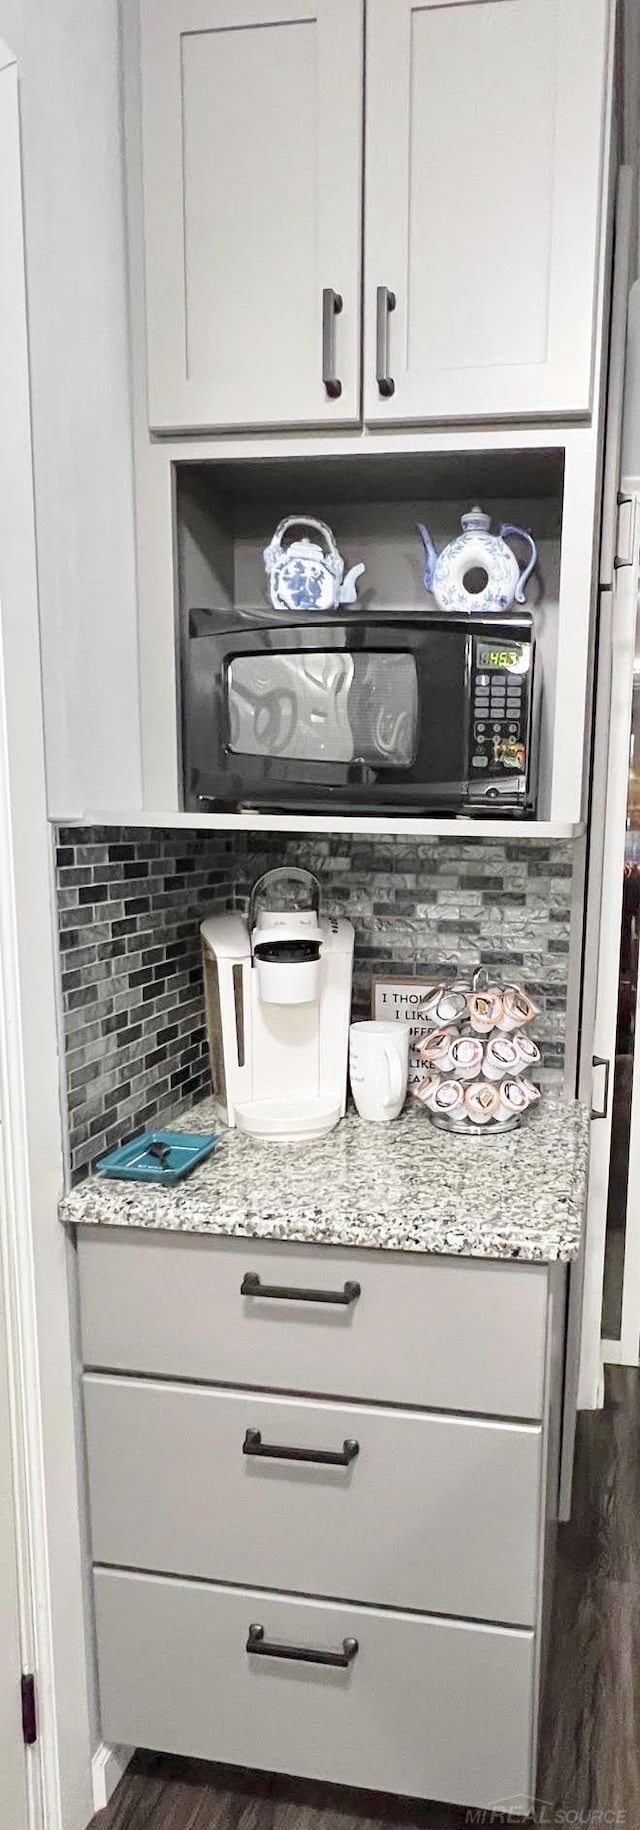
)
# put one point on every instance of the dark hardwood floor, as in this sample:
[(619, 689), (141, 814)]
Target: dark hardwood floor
[(590, 1737)]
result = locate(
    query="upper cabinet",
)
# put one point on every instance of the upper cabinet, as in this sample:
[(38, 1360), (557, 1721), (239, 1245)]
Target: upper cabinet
[(479, 208), (482, 213), (252, 166)]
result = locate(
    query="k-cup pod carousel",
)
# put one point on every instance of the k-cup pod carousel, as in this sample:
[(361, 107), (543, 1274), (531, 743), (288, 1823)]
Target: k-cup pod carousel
[(479, 1065)]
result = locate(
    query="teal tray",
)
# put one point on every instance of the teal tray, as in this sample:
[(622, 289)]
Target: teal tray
[(138, 1161)]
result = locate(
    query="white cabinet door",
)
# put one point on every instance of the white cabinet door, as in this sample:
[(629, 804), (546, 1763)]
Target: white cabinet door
[(252, 157), (483, 196), (619, 712)]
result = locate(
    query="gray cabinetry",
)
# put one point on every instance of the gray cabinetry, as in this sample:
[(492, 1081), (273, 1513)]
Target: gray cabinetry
[(483, 205), (438, 1708), (446, 1335), (432, 1512), (251, 146), (480, 211), (283, 1470)]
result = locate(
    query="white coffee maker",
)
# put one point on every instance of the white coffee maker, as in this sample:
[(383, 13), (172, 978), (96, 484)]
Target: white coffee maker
[(278, 1003)]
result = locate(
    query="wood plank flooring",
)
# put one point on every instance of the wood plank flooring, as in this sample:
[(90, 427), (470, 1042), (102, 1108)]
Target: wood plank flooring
[(590, 1734)]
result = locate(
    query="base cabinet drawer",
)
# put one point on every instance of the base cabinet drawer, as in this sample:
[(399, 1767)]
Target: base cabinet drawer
[(432, 1708), (443, 1333), (436, 1513)]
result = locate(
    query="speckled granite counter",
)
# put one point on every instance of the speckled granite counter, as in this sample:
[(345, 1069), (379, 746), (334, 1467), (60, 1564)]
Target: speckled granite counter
[(401, 1187)]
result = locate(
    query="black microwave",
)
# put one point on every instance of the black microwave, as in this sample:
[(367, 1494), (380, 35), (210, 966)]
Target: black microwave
[(363, 712)]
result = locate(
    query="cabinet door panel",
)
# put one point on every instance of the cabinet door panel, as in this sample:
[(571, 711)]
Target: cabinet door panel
[(447, 1333), (434, 1708), (483, 204), (433, 1513), (252, 207)]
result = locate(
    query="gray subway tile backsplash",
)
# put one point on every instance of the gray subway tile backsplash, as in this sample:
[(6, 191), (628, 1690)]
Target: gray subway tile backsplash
[(131, 901)]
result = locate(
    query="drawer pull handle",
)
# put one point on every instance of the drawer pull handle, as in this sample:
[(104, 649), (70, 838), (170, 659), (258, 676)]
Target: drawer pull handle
[(385, 303), (306, 1655), (251, 1286), (274, 1451), (601, 1111), (331, 308)]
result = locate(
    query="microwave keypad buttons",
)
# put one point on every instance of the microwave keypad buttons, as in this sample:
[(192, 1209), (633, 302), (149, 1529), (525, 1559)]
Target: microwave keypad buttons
[(499, 701)]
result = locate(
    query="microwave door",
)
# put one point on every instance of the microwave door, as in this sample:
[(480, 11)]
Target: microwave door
[(359, 715)]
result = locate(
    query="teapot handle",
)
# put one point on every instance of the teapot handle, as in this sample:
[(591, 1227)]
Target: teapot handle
[(305, 521), (508, 528)]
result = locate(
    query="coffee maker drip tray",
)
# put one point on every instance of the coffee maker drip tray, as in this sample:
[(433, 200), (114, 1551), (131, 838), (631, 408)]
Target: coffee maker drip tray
[(288, 1121)]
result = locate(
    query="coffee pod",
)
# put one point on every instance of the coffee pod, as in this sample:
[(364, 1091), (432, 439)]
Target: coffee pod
[(501, 1057), (465, 1057), (449, 1007), (513, 1100), (517, 1010), (426, 1088), (428, 1003), (485, 1011), (531, 1090), (481, 1102), (528, 1051), (447, 1097), (434, 1051), (423, 1029)]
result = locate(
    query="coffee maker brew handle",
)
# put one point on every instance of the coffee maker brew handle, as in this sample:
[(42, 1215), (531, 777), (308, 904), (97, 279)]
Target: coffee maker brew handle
[(284, 873), (395, 1077)]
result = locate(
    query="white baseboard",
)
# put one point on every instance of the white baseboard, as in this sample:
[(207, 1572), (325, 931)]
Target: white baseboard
[(107, 1767)]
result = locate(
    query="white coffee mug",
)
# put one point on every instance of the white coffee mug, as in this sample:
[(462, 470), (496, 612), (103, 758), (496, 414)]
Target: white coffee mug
[(379, 1068)]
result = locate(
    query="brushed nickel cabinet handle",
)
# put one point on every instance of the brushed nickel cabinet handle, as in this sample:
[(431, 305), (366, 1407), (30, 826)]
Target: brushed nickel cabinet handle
[(307, 1655), (602, 1061), (385, 303), (327, 1458), (331, 308)]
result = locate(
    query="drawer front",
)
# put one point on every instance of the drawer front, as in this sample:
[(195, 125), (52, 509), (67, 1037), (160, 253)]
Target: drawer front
[(436, 1513), (450, 1334), (433, 1708)]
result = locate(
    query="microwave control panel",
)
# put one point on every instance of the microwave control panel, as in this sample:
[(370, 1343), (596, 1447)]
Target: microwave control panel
[(500, 694)]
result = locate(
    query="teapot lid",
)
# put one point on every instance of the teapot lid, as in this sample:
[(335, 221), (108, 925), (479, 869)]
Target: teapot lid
[(475, 522)]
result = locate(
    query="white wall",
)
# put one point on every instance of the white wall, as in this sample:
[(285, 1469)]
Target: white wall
[(68, 65), (35, 1249), (629, 96)]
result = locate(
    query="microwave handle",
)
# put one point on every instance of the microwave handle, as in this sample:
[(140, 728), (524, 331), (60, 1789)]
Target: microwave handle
[(468, 702)]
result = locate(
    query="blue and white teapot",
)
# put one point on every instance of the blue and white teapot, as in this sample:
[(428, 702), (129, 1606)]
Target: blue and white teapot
[(477, 571), (306, 575)]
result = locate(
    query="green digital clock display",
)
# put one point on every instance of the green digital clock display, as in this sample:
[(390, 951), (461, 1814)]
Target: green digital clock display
[(497, 657)]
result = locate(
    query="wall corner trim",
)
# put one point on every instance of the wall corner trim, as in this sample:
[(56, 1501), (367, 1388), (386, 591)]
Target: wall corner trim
[(107, 1767)]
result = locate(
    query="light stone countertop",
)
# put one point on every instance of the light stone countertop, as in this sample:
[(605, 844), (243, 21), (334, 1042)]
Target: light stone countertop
[(404, 1187)]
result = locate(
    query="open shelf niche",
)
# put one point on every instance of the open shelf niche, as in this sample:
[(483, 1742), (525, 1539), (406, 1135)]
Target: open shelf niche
[(227, 510)]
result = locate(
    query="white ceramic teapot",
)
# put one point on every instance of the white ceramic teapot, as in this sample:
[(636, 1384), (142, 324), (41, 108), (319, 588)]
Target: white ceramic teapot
[(477, 571), (305, 575)]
